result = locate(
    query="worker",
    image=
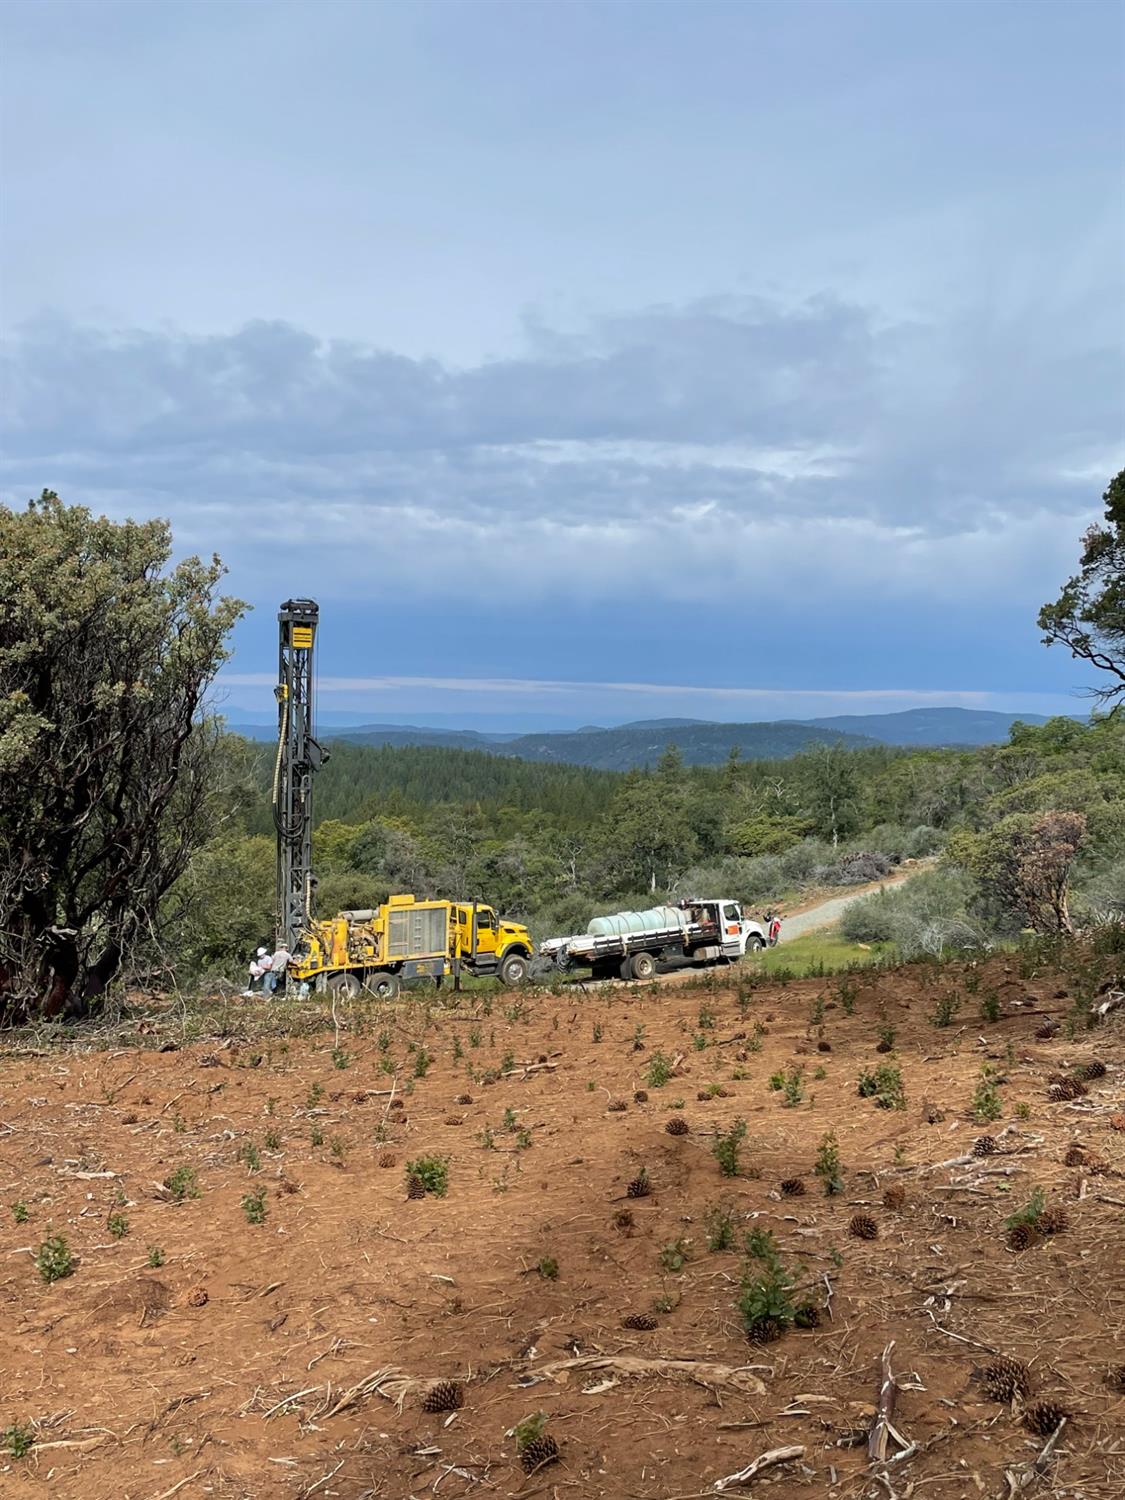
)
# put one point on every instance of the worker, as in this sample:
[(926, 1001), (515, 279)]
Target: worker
[(279, 962), (259, 968)]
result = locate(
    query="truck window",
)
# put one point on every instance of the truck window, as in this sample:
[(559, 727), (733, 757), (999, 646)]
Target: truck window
[(484, 920), (462, 917), (732, 914)]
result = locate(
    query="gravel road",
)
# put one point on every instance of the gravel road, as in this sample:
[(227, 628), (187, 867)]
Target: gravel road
[(832, 910)]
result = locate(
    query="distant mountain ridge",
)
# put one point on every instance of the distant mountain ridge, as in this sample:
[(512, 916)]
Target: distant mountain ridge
[(701, 742)]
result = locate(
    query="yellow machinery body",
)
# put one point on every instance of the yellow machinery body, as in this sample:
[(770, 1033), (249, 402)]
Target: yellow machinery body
[(376, 949)]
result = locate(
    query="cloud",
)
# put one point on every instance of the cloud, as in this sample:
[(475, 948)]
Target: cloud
[(726, 444)]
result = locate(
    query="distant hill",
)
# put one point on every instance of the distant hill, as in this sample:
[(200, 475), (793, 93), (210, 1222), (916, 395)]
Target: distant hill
[(931, 726), (700, 741), (700, 744)]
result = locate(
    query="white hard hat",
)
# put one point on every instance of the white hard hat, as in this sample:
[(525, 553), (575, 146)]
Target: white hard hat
[(262, 952)]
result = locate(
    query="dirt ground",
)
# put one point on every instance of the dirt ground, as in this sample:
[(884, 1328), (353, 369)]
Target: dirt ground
[(236, 1365)]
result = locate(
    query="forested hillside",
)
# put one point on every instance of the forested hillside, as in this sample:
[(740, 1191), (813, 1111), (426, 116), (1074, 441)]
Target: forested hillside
[(553, 844)]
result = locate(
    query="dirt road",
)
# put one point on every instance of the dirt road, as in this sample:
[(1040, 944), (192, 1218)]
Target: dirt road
[(824, 913)]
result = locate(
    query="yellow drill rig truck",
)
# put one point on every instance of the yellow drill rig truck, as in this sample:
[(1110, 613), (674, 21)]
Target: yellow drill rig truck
[(373, 951), (376, 949)]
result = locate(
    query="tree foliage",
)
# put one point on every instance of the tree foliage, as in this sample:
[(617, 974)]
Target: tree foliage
[(1089, 614), (109, 778)]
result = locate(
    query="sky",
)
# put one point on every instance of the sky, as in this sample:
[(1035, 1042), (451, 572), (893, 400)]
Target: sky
[(586, 362)]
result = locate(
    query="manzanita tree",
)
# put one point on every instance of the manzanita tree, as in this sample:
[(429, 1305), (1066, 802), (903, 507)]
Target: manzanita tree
[(106, 653)]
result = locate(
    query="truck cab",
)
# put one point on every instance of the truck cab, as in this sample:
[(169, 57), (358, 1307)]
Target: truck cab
[(487, 943), (735, 934)]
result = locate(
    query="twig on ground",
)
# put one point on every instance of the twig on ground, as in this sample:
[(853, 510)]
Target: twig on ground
[(884, 1409), (763, 1461), (701, 1371), (1036, 1469)]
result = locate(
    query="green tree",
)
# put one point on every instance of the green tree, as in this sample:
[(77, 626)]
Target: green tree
[(1024, 865), (1089, 614), (834, 792), (106, 783)]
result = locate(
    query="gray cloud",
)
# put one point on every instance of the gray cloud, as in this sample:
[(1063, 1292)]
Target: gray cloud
[(739, 411)]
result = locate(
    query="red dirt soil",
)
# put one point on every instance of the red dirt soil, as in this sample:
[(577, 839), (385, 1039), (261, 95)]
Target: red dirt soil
[(216, 1372)]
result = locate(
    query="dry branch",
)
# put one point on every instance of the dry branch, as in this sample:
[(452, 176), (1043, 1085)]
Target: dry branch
[(1036, 1469), (884, 1409), (763, 1461), (700, 1371)]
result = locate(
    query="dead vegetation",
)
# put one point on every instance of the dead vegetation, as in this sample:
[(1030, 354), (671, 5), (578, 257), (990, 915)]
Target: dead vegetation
[(795, 1288)]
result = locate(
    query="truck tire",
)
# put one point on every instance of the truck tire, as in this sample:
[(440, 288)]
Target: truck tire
[(514, 970), (754, 944), (382, 985), (643, 966), (345, 984)]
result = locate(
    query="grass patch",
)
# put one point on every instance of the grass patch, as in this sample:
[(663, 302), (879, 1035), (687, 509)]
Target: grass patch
[(825, 951)]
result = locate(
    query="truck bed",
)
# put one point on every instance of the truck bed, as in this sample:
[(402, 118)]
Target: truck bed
[(585, 948)]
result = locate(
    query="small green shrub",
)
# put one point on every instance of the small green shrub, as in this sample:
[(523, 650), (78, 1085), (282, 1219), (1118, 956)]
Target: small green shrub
[(19, 1439), (1030, 1213), (118, 1225), (250, 1157), (314, 1096), (273, 1140), (432, 1172), (720, 1221), (598, 1031), (659, 1070), (792, 1088), (340, 1058), (945, 1011), (20, 1212), (155, 1257), (316, 1136), (548, 1268), (886, 1034), (53, 1259), (827, 1166), (254, 1206), (422, 1061), (986, 1099), (884, 1085), (181, 1184), (728, 1147), (675, 1254), (990, 1006)]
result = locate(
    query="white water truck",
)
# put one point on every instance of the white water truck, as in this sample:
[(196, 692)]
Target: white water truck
[(630, 944)]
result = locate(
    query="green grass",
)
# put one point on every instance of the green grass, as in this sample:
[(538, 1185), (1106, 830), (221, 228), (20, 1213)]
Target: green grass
[(820, 952)]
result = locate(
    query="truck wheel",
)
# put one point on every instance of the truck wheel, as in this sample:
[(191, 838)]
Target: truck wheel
[(345, 985), (382, 986), (754, 945), (643, 966), (513, 971)]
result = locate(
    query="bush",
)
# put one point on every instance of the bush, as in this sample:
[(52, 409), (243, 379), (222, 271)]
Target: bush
[(854, 869), (934, 911)]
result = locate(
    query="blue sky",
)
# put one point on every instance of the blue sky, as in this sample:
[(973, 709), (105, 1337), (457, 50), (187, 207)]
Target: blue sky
[(587, 362)]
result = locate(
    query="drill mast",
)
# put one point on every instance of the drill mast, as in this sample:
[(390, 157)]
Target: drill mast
[(298, 758)]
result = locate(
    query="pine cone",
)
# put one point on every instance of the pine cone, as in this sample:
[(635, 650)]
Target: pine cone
[(1091, 1070), (1053, 1221), (640, 1322), (1076, 1155), (444, 1395), (823, 1046), (623, 1219), (640, 1097), (883, 1046), (396, 1104), (895, 1196), (197, 1297), (1065, 1089), (387, 1159), (677, 1125), (984, 1145), (538, 1453), (792, 1187), (415, 1188), (1048, 1029), (617, 1107), (1021, 1236), (1044, 1417), (1117, 1122), (454, 1120), (807, 1315), (1115, 1378), (863, 1227), (463, 1099), (1005, 1379), (765, 1331), (640, 1187)]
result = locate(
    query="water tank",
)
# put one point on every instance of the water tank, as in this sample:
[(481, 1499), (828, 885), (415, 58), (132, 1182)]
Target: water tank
[(622, 923)]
